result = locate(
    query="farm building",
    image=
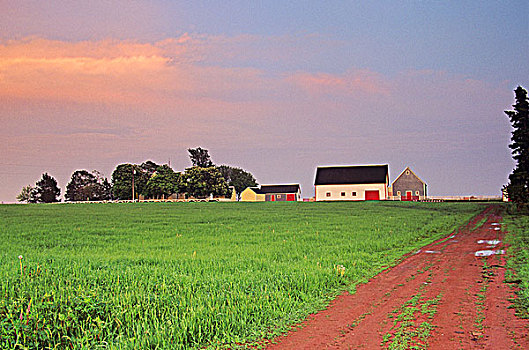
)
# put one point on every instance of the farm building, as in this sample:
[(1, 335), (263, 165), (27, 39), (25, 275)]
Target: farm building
[(408, 186), (352, 183), (272, 193), (252, 194)]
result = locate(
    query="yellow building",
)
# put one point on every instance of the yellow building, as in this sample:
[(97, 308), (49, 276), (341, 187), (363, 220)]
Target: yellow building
[(252, 194)]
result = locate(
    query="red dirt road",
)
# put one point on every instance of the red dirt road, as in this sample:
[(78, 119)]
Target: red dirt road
[(442, 297)]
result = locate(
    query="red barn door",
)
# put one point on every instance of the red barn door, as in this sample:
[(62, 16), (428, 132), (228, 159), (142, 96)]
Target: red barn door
[(291, 197), (372, 196)]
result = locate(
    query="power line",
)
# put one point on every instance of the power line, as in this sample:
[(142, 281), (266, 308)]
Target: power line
[(51, 165)]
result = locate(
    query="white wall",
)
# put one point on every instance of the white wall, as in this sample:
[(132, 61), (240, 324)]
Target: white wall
[(336, 190)]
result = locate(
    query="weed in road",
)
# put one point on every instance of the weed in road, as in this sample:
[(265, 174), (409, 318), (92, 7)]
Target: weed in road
[(408, 332), (481, 296)]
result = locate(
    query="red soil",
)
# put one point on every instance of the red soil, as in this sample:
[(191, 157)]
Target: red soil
[(461, 301)]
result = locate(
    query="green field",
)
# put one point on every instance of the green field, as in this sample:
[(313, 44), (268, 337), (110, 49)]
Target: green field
[(517, 227), (193, 275)]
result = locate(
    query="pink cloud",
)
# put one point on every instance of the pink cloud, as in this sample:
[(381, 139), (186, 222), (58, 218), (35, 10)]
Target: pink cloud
[(80, 72), (151, 74), (352, 82), (117, 72)]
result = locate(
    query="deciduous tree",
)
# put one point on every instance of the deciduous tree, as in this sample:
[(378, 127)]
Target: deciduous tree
[(200, 157), (145, 171), (162, 183), (124, 173), (84, 186), (122, 181), (104, 188), (201, 182), (27, 194), (237, 177)]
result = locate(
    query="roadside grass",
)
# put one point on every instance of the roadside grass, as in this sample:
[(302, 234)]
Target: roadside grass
[(517, 228), (193, 275)]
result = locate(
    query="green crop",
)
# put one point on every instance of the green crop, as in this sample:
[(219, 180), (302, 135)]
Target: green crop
[(193, 275)]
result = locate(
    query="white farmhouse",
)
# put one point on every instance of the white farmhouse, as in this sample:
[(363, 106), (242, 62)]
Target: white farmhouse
[(352, 183)]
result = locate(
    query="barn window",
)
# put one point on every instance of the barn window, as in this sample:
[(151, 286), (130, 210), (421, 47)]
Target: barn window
[(416, 193), (407, 172), (398, 193), (343, 194), (328, 194), (354, 194), (278, 196)]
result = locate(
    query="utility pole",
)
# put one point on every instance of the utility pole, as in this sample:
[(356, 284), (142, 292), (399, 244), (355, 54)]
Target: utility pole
[(133, 172)]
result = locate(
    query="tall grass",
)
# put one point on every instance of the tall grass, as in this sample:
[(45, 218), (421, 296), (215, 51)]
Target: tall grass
[(193, 275)]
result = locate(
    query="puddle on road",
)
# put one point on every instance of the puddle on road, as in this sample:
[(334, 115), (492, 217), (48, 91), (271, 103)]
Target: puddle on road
[(492, 242), (495, 224), (432, 252), (489, 252)]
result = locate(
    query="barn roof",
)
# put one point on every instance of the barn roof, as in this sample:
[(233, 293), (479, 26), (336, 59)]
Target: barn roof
[(257, 190), (293, 188), (403, 171), (357, 174)]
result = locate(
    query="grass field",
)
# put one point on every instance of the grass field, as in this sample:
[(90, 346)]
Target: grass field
[(193, 275), (518, 237)]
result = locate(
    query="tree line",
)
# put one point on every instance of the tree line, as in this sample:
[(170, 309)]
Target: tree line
[(129, 181)]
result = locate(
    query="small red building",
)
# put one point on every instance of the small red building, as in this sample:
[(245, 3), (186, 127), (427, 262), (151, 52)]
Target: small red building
[(272, 193)]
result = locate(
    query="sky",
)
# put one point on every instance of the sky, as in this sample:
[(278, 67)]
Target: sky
[(275, 87)]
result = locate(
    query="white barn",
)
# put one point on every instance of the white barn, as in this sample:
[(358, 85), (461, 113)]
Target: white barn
[(352, 183)]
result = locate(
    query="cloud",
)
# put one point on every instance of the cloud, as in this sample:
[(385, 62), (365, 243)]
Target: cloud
[(120, 72), (175, 82), (99, 103), (351, 83), (186, 67), (79, 72)]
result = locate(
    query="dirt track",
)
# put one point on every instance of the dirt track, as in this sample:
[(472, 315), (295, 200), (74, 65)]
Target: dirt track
[(442, 297)]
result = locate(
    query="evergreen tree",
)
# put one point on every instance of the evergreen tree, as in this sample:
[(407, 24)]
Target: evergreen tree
[(46, 190), (518, 186)]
